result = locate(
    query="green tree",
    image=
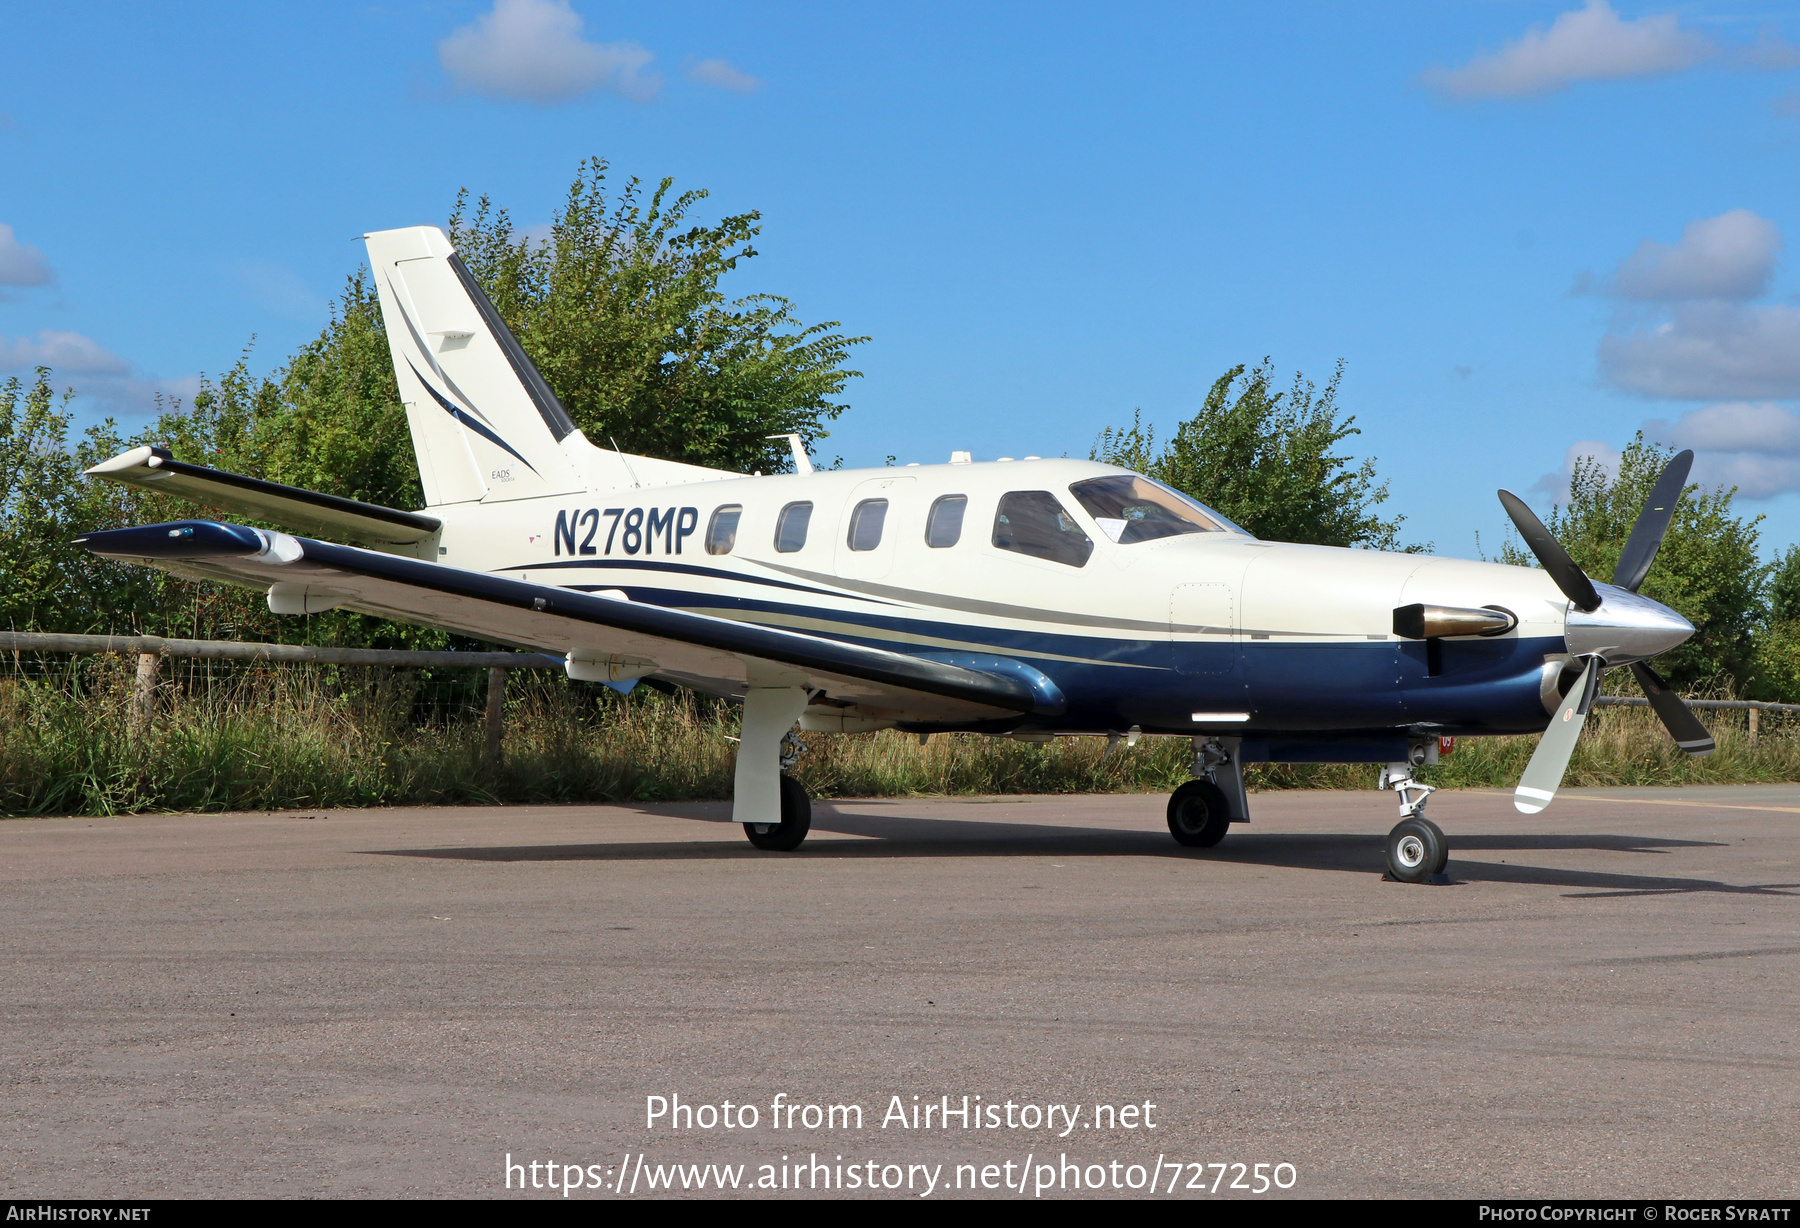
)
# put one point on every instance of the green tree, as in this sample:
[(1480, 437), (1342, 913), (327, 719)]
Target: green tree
[(621, 310), (1776, 673), (1707, 570), (330, 419), (37, 503), (1784, 587), (47, 582), (1266, 460)]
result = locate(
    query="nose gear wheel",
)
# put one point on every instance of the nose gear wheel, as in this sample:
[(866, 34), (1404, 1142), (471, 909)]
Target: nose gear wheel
[(1416, 850)]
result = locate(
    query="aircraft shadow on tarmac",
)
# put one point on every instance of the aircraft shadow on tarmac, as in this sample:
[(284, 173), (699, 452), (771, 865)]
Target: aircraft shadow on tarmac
[(910, 837)]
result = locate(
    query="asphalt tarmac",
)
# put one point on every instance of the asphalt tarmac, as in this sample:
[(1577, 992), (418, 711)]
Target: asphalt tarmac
[(1605, 1002)]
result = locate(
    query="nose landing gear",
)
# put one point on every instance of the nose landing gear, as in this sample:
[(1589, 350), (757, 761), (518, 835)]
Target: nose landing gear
[(1417, 851)]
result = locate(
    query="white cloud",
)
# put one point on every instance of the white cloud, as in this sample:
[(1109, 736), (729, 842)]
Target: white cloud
[(1770, 52), (1753, 475), (533, 51), (1754, 446), (722, 74), (1707, 351), (1709, 342), (1751, 445), (128, 395), (1588, 44), (65, 351), (1734, 426), (92, 371), (1555, 486), (20, 263), (1726, 257)]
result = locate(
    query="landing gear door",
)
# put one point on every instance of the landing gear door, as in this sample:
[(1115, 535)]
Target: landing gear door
[(877, 513)]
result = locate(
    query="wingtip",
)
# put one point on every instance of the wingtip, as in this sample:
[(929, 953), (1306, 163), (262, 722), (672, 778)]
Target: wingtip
[(134, 458)]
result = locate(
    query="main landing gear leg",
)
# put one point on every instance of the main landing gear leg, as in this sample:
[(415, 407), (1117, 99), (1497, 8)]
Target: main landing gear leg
[(1203, 810), (772, 806), (1416, 849)]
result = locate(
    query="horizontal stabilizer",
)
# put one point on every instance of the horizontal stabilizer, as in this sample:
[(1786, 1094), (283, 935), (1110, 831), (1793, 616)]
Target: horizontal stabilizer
[(626, 637), (363, 524)]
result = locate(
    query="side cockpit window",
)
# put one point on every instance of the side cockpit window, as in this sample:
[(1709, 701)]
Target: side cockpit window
[(1033, 522), (721, 530), (944, 526), (790, 529)]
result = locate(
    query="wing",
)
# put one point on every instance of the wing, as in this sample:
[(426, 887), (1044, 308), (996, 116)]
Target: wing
[(366, 524), (629, 639)]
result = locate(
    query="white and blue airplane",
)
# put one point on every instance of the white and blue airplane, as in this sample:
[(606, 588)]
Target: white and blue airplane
[(1022, 598)]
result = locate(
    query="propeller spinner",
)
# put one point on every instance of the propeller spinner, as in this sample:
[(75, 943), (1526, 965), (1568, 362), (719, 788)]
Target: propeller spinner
[(1610, 624)]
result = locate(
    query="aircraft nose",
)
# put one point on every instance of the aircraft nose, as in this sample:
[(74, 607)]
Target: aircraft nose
[(1626, 627)]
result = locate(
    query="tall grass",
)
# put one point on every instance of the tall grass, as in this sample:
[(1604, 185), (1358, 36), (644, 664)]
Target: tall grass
[(299, 737)]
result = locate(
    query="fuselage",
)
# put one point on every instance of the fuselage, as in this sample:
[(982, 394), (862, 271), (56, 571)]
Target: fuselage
[(1195, 632)]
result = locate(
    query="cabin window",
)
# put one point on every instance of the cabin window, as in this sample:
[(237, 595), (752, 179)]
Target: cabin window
[(790, 528), (944, 526), (866, 522), (721, 530), (1130, 509), (1033, 522)]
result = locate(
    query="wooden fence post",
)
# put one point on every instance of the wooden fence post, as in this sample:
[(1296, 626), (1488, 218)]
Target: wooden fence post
[(1755, 724), (496, 713), (143, 696)]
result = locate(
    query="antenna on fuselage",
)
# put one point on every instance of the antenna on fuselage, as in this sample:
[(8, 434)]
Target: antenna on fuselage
[(628, 469), (802, 462)]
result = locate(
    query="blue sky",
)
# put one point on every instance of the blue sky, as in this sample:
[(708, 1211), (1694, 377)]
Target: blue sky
[(1526, 227)]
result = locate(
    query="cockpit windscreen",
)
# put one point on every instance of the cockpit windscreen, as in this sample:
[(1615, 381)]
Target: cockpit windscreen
[(1130, 508)]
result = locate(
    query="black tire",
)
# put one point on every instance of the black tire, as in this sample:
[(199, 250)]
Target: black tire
[(796, 820), (1443, 858), (1416, 850), (1199, 816)]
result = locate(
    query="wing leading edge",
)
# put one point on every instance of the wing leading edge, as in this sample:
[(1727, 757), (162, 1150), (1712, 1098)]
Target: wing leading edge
[(712, 654)]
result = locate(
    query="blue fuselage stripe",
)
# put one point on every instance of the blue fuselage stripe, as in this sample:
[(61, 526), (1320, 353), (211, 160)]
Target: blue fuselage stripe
[(1115, 682)]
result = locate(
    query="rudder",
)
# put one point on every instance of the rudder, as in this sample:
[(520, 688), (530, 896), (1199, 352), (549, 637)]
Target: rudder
[(484, 424)]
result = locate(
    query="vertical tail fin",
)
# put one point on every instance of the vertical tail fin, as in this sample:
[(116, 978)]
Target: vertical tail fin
[(484, 424)]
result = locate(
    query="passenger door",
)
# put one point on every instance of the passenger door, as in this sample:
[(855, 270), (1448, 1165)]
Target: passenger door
[(867, 527)]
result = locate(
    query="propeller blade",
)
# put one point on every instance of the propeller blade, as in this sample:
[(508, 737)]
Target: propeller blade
[(1652, 523), (1569, 578), (1682, 724), (1543, 775)]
